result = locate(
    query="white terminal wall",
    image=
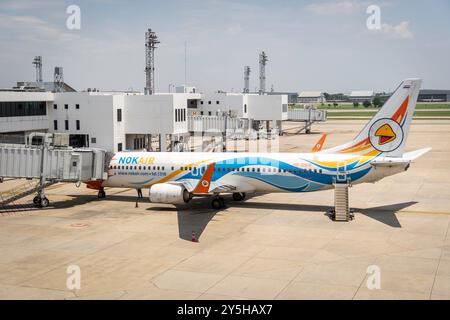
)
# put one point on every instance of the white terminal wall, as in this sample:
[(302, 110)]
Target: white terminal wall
[(155, 114), (28, 123), (253, 106), (97, 114), (232, 103), (267, 107)]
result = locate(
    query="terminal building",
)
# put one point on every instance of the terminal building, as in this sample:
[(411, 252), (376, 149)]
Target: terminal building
[(361, 96), (311, 97), (119, 121), (427, 95)]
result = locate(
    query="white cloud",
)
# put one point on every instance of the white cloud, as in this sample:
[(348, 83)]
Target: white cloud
[(336, 7), (400, 31), (21, 5)]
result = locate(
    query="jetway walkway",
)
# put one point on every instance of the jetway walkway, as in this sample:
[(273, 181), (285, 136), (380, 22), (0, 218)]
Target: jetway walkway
[(308, 116), (52, 161)]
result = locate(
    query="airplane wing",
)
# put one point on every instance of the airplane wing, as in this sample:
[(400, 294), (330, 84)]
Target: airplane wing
[(223, 188)]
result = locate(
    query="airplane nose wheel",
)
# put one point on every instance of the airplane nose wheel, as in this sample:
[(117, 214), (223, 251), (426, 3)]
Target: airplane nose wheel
[(101, 194), (218, 203)]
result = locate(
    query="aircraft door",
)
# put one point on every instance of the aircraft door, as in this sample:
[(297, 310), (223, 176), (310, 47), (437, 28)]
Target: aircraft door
[(341, 172)]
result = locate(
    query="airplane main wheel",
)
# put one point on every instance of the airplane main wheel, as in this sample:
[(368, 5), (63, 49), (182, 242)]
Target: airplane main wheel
[(238, 196), (36, 200), (218, 203), (101, 194), (44, 202)]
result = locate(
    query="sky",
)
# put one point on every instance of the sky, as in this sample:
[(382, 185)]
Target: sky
[(311, 45)]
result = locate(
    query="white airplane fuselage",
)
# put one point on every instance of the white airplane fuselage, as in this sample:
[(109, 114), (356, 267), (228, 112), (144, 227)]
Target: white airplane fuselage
[(245, 172)]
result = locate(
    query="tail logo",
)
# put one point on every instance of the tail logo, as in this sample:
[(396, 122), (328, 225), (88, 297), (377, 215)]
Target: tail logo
[(205, 183), (386, 135)]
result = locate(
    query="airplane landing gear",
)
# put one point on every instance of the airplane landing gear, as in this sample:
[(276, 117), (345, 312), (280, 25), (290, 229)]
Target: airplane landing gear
[(218, 203), (101, 193), (41, 201), (238, 196)]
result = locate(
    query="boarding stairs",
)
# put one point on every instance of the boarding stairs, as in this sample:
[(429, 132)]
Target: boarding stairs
[(341, 202)]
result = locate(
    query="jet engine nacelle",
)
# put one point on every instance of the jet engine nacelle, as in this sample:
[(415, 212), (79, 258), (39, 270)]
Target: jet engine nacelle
[(169, 193)]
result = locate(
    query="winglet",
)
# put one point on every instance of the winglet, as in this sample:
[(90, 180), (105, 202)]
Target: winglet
[(204, 183), (319, 145)]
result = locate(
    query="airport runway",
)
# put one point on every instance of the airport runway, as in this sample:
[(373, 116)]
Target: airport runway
[(272, 246)]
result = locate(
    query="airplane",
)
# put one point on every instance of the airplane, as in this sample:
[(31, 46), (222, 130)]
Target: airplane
[(176, 177)]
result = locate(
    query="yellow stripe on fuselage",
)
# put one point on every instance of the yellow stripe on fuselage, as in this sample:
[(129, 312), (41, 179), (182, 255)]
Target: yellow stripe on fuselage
[(175, 173)]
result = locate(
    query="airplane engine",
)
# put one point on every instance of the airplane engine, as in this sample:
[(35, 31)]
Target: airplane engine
[(169, 193)]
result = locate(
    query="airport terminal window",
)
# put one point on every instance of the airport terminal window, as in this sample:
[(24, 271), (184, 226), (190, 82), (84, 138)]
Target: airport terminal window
[(209, 113), (119, 115), (217, 102), (245, 108), (119, 147), (66, 124), (55, 106), (77, 106), (209, 102), (78, 124), (201, 102), (66, 106), (93, 140), (22, 109), (55, 125)]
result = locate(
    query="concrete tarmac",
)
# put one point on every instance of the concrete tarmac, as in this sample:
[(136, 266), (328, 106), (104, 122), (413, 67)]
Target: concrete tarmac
[(271, 246)]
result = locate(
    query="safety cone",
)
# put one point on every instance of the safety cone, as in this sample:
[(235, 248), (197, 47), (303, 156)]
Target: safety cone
[(193, 239)]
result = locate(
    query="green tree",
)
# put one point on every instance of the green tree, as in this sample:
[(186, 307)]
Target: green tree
[(377, 103), (366, 104), (355, 104)]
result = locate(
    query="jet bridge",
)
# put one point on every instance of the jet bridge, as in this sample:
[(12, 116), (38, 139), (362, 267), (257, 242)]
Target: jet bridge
[(52, 161), (308, 116)]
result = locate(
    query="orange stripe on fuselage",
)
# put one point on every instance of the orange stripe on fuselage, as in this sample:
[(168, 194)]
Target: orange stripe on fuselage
[(362, 145)]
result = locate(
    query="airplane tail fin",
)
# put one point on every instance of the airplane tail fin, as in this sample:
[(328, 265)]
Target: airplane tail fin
[(388, 130), (319, 145)]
